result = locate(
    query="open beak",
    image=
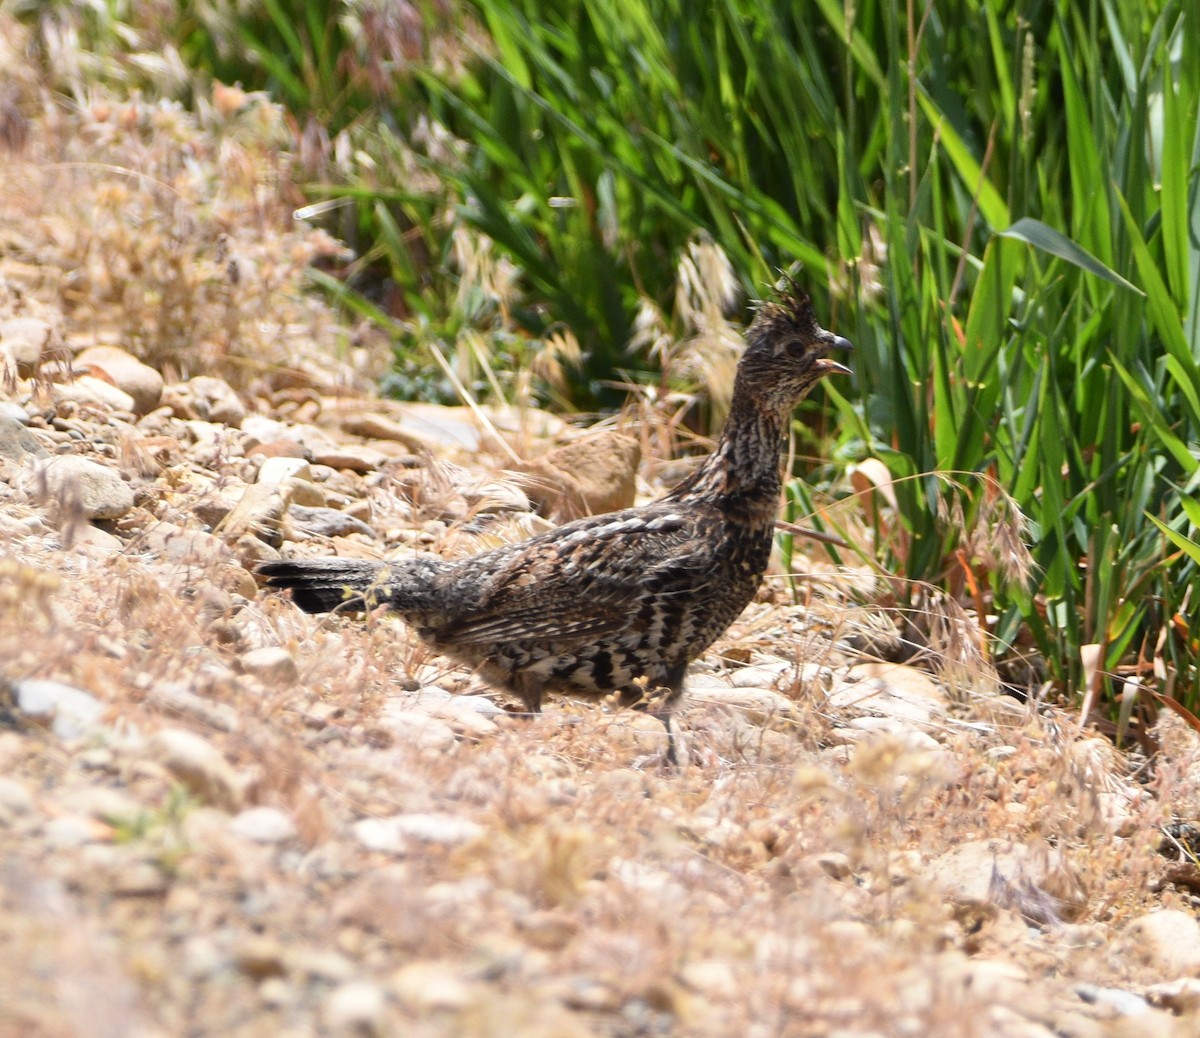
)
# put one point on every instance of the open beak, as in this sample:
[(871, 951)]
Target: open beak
[(831, 367)]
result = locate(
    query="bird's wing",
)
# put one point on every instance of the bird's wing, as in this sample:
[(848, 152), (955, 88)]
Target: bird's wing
[(585, 580)]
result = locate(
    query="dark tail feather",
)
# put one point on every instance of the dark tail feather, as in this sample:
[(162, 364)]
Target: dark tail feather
[(322, 585)]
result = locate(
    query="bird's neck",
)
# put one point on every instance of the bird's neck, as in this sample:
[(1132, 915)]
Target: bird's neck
[(741, 477)]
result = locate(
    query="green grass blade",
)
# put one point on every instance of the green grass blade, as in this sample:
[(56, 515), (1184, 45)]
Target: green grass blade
[(991, 205), (1189, 547), (1034, 232)]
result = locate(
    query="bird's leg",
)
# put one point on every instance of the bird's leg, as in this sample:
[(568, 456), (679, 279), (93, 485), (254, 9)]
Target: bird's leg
[(529, 690), (658, 702)]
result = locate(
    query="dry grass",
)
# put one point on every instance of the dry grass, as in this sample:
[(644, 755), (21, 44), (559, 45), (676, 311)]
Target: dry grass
[(160, 230), (614, 899)]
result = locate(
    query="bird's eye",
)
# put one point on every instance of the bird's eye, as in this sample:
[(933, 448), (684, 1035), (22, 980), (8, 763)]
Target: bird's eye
[(796, 348)]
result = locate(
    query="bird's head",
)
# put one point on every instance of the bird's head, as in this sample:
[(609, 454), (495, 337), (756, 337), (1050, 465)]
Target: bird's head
[(787, 351)]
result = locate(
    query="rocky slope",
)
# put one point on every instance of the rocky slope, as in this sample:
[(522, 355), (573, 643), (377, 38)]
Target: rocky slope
[(221, 817)]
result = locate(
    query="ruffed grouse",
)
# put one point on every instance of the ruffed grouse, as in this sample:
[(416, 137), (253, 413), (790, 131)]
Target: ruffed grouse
[(616, 603)]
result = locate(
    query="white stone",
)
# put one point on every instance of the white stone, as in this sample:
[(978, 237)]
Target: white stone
[(68, 831), (893, 690), (23, 340), (276, 470), (88, 389), (431, 987), (100, 492), (15, 799), (263, 825), (69, 712), (270, 664), (357, 1007), (1168, 939), (396, 834), (416, 728)]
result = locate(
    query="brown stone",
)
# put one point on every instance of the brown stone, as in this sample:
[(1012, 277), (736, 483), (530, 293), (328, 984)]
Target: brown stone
[(594, 474), (113, 364)]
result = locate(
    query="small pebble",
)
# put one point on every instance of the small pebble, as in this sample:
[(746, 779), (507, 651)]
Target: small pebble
[(263, 825), (69, 712), (198, 766), (396, 834), (357, 1007), (271, 664)]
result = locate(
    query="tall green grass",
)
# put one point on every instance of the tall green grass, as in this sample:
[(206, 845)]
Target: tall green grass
[(1030, 171)]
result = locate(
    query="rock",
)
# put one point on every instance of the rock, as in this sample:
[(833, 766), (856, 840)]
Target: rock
[(259, 428), (140, 879), (260, 957), (15, 799), (1168, 940), (1122, 1003), (94, 542), (1179, 996), (211, 504), (712, 978), (70, 831), (199, 767), (206, 398), (114, 806), (431, 987), (594, 474), (356, 458), (100, 492), (1034, 880), (276, 470), (984, 980), (913, 739), (275, 993), (397, 834), (326, 522), (141, 382), (182, 702), (834, 864), (357, 1007), (634, 733), (23, 342), (372, 426), (433, 427), (781, 673), (479, 705), (890, 689), (416, 728), (88, 389), (259, 512), (465, 720), (263, 825), (270, 664), (762, 675), (177, 544), (549, 929), (16, 441), (281, 448), (69, 712), (322, 964), (758, 705)]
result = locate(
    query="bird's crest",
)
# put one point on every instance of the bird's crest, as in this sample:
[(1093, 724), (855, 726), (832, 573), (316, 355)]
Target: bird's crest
[(789, 312)]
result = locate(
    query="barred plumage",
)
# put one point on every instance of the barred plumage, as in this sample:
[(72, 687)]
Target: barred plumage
[(621, 602)]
